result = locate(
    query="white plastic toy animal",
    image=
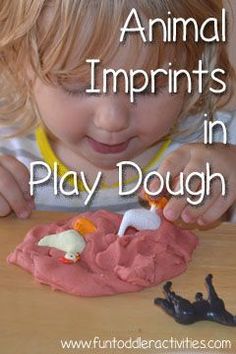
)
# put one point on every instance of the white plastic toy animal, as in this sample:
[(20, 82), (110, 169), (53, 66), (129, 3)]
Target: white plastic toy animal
[(140, 219), (69, 241)]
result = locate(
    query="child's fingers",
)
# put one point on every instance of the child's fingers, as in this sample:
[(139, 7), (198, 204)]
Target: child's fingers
[(174, 163), (12, 193), (4, 207), (176, 205), (220, 206), (19, 172), (191, 213)]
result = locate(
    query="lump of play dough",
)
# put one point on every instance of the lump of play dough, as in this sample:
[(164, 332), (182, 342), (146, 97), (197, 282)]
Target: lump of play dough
[(109, 264)]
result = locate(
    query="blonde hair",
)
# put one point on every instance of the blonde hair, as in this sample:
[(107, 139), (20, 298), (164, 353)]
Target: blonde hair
[(42, 34)]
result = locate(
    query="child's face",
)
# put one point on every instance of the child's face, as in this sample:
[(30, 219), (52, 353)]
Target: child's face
[(106, 129)]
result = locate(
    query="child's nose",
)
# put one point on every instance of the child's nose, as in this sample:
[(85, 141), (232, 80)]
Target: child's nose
[(111, 115)]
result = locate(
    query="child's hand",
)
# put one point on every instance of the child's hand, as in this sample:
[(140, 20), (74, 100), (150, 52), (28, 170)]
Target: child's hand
[(193, 158), (14, 188)]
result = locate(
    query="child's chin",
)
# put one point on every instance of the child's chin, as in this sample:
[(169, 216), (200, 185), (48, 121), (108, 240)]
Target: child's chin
[(106, 164), (106, 161)]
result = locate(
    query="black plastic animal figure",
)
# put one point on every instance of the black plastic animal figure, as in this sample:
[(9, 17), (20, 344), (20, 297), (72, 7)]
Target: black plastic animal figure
[(185, 312)]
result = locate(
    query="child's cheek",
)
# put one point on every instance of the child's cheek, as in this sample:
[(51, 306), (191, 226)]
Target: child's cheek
[(157, 116), (63, 116)]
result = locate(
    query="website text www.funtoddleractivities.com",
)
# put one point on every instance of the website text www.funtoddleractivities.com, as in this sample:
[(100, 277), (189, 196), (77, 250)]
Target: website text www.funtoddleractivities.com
[(145, 344)]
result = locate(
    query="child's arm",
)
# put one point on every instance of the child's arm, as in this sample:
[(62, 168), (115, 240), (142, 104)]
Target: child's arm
[(14, 188), (193, 158)]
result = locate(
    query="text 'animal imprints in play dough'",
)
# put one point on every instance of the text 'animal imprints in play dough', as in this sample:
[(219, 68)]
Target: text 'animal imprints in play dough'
[(142, 219), (69, 241)]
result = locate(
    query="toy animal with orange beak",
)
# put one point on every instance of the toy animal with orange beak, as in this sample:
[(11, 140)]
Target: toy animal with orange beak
[(70, 241)]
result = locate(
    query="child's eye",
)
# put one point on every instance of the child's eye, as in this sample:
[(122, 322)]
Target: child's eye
[(148, 92), (145, 92), (82, 91), (75, 92), (79, 92)]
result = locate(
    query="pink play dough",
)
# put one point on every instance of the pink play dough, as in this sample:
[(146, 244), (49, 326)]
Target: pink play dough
[(109, 265)]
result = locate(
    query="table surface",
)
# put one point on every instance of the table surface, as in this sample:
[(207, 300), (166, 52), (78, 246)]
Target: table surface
[(34, 319)]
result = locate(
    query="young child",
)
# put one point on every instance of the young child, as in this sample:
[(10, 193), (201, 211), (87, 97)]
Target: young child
[(48, 116)]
